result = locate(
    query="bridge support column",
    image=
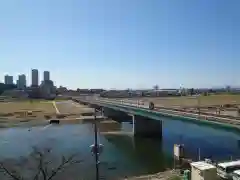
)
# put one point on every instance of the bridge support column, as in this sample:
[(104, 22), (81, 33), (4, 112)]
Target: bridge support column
[(94, 106), (115, 115), (146, 127)]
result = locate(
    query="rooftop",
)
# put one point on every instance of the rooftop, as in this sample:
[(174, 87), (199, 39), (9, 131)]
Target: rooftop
[(201, 165)]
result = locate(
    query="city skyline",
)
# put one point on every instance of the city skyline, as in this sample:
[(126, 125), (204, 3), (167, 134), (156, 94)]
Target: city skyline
[(123, 44), (44, 73), (26, 79)]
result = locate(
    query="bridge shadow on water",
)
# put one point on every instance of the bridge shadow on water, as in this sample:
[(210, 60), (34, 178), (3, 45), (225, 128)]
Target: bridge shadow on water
[(211, 141), (146, 155)]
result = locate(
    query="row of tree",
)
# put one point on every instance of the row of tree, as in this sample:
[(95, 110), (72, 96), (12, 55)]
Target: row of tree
[(4, 87)]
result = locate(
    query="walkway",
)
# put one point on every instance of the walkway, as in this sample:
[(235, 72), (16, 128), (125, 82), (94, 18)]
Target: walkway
[(55, 106)]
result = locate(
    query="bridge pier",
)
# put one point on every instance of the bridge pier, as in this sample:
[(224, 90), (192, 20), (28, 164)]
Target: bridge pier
[(115, 115), (146, 127), (95, 106)]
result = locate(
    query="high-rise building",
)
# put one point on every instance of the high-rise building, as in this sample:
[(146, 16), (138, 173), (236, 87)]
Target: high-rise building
[(8, 79), (21, 81), (46, 75), (34, 77)]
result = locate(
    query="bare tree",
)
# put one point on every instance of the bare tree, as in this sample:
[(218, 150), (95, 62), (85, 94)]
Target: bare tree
[(156, 88), (43, 169)]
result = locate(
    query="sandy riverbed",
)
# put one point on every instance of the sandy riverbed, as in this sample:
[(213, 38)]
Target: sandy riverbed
[(39, 112)]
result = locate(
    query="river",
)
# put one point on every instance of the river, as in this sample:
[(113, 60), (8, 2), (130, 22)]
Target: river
[(123, 155)]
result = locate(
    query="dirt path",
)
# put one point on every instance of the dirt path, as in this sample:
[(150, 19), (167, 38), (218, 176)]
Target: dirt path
[(55, 106)]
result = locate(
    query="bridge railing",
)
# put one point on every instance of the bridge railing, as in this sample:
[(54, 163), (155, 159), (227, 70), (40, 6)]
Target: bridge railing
[(137, 103)]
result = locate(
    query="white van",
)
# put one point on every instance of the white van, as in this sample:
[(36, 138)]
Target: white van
[(225, 170), (236, 175)]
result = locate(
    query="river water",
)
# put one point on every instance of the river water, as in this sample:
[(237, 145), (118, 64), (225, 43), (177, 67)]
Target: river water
[(123, 155)]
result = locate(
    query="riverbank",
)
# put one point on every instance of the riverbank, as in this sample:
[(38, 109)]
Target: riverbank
[(166, 175), (39, 112)]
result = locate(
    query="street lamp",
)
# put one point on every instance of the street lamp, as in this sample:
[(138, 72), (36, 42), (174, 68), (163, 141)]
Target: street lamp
[(96, 148), (198, 106)]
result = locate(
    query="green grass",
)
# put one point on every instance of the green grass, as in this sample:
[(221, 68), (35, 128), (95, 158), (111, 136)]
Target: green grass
[(175, 177), (193, 101), (16, 106)]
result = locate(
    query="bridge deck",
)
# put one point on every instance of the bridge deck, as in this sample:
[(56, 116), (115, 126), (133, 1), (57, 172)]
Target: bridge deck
[(158, 113)]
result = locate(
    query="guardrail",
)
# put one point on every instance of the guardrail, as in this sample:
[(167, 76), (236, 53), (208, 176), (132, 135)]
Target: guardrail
[(203, 116)]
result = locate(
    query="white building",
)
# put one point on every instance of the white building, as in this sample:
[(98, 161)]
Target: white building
[(21, 83), (34, 77), (46, 75), (8, 79), (203, 171)]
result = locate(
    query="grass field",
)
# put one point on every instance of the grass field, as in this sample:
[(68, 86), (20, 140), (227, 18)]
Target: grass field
[(24, 110), (41, 109), (193, 101), (41, 106)]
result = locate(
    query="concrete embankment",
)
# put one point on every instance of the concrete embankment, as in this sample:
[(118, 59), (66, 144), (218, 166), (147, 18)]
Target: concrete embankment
[(166, 175)]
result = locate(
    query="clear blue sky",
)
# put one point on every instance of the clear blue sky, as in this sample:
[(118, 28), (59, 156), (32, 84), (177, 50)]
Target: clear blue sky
[(123, 43)]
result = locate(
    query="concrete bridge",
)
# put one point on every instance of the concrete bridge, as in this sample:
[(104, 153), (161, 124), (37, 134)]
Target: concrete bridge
[(146, 122)]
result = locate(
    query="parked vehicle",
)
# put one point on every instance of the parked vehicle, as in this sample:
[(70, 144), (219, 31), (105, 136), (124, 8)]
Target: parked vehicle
[(225, 170), (236, 175)]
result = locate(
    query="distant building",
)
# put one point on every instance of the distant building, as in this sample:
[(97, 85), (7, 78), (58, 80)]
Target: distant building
[(46, 75), (62, 89), (47, 89), (8, 79), (21, 82), (34, 77)]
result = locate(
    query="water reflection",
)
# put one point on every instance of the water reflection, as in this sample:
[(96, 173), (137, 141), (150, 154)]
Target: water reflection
[(214, 142), (109, 126), (137, 151), (123, 155)]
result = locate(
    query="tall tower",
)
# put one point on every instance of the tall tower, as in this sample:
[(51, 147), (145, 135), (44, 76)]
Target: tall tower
[(34, 77), (46, 75), (22, 81), (8, 79)]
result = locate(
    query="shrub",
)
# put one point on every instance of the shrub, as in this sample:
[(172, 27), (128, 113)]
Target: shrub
[(47, 116), (175, 177), (60, 116)]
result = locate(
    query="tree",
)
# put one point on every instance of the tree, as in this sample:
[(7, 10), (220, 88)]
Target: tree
[(43, 169), (156, 88), (4, 87), (228, 88), (191, 91)]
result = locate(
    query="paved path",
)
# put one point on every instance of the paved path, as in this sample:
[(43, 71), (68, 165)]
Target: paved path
[(70, 107), (56, 108)]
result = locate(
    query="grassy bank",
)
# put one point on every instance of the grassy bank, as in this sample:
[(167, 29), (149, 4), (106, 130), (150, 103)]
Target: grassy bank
[(191, 101), (20, 112)]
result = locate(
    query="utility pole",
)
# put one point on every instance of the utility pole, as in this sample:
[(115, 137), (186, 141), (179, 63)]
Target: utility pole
[(199, 154), (96, 151), (96, 148)]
